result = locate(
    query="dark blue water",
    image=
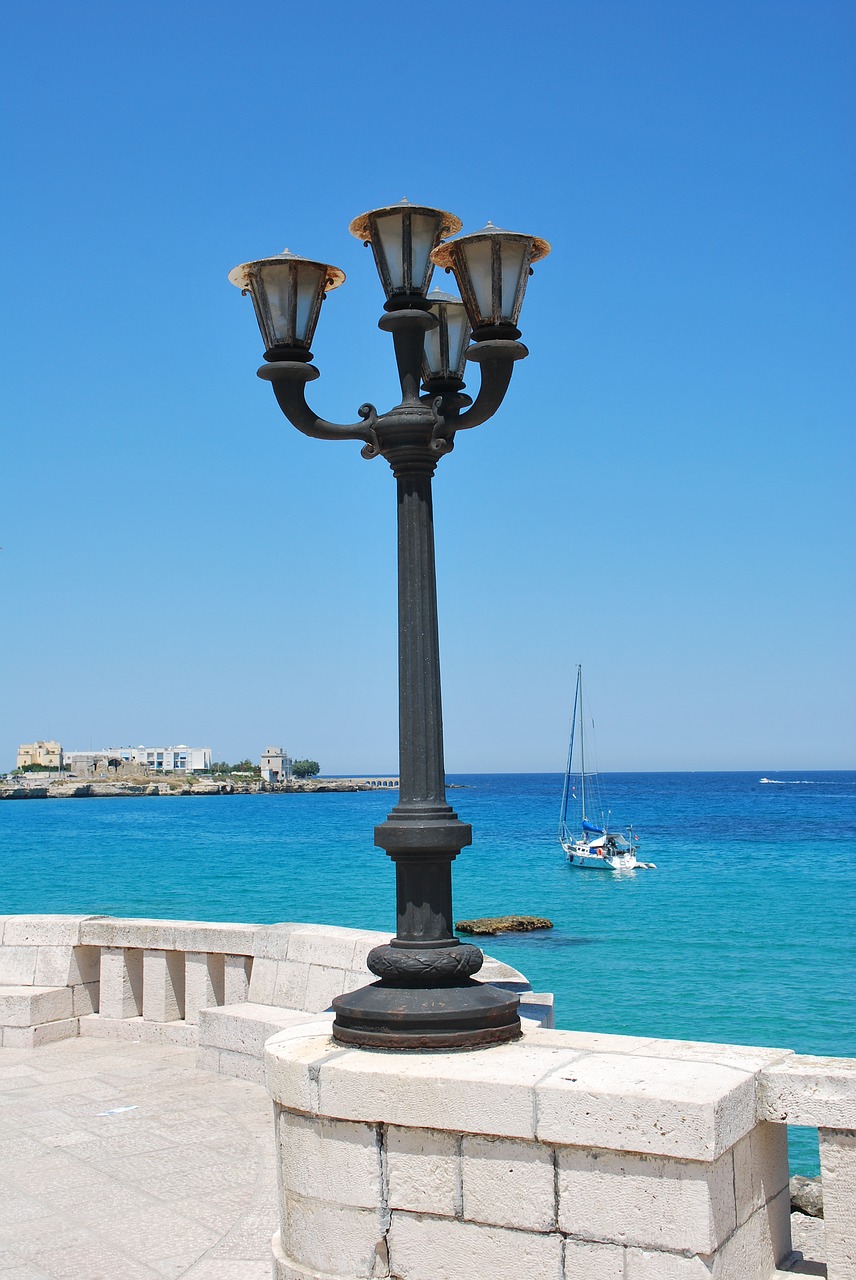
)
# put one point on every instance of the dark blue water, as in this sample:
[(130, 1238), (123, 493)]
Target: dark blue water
[(745, 933)]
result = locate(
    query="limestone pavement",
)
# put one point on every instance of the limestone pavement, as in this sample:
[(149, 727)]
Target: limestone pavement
[(125, 1160)]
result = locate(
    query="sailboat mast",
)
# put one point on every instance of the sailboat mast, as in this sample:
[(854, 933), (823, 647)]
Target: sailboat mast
[(563, 815), (582, 740)]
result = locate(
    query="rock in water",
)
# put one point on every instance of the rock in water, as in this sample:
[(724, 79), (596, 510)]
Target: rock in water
[(807, 1196), (491, 925)]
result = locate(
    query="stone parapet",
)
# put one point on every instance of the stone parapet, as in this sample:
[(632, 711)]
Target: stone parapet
[(563, 1155)]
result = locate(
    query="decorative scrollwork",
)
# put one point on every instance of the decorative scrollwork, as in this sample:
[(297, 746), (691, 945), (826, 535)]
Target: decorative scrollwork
[(442, 438), (421, 967), (371, 449)]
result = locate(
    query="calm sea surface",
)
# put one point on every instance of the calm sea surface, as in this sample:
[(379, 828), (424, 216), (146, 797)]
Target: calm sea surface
[(745, 933)]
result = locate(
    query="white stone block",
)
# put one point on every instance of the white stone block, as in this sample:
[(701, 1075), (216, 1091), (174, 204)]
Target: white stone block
[(244, 1028), (657, 1106), (587, 1260), (271, 940), (811, 1091), (589, 1041), (223, 939), (426, 1248), (96, 1027), (30, 1006), (203, 982), (496, 971), (423, 1170), (43, 930), (322, 984), (508, 1183), (46, 1033), (744, 1057), (332, 1160), (163, 986), (647, 1202), (484, 1091), (290, 984), (293, 1058), (644, 1264), (537, 1009), (84, 998), (240, 1066), (760, 1168), (133, 933), (262, 983), (328, 946), (237, 971), (759, 1245), (333, 1238), (121, 983), (18, 966), (838, 1172), (58, 966)]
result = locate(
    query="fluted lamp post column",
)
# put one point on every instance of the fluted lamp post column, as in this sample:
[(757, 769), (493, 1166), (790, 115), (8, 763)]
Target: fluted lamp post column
[(426, 996)]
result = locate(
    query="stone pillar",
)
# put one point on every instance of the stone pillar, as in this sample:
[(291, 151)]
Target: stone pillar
[(838, 1172), (163, 986), (553, 1158), (121, 994), (203, 982), (237, 978)]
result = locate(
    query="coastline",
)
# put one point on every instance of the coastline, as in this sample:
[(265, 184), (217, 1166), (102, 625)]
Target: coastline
[(57, 790)]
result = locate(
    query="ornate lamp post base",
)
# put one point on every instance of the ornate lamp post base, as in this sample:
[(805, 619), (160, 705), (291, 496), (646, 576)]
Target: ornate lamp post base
[(468, 1016)]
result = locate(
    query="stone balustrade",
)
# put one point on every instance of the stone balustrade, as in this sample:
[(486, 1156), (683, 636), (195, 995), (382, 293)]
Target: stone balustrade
[(222, 987), (567, 1155)]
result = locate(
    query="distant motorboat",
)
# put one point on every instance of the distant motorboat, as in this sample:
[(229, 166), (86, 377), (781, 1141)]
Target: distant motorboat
[(596, 848)]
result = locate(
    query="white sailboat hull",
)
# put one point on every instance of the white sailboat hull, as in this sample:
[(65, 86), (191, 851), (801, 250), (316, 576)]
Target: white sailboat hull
[(587, 858)]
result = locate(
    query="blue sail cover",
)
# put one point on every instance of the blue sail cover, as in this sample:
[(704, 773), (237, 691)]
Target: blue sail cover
[(597, 831)]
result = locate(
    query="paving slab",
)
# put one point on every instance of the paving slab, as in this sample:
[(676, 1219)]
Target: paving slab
[(125, 1159)]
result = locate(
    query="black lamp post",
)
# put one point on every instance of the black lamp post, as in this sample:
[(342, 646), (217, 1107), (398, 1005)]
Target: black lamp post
[(425, 997)]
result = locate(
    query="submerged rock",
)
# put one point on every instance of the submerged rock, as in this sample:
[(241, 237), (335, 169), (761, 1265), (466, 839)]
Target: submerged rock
[(491, 925), (807, 1196)]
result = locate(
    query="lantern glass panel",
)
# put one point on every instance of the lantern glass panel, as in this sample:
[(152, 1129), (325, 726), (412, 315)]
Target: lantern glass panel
[(513, 264), (424, 231), (432, 365), (389, 230), (275, 284), (459, 337), (477, 255), (310, 282)]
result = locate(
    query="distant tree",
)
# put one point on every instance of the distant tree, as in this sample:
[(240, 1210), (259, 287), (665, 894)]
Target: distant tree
[(114, 763), (305, 768)]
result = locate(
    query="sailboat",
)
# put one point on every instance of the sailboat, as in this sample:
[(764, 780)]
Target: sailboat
[(596, 847)]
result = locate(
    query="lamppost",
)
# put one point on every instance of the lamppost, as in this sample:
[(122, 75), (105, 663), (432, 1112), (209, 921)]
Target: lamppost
[(425, 996)]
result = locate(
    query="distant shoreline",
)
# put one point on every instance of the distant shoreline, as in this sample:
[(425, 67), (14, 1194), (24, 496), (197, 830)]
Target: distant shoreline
[(77, 790)]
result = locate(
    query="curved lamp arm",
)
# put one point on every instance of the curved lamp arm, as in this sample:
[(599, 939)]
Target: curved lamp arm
[(496, 357), (289, 379)]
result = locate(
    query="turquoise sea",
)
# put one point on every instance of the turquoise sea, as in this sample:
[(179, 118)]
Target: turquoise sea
[(745, 933)]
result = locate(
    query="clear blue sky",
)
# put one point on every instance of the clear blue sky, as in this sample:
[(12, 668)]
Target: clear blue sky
[(666, 495)]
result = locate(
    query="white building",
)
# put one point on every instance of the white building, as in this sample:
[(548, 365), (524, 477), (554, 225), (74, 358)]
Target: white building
[(180, 759), (276, 765)]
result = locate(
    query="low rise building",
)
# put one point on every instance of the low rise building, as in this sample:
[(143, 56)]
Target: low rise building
[(47, 754), (276, 765), (180, 759)]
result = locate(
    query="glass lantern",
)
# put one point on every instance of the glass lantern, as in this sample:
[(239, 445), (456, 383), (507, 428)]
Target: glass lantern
[(287, 293), (446, 346), (402, 237), (492, 269)]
